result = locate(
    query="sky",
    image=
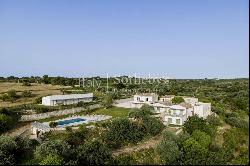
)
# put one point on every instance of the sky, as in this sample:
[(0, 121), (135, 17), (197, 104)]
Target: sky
[(160, 38)]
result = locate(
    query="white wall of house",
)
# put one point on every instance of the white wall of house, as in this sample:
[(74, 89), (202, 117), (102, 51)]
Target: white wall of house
[(202, 109), (174, 120), (174, 114), (145, 98), (54, 100), (137, 105), (191, 100), (159, 109), (47, 101), (166, 99)]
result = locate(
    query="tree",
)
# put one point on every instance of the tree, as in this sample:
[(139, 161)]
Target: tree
[(6, 122), (169, 152), (177, 100), (26, 93), (7, 144), (6, 159), (46, 79), (213, 120), (12, 95), (122, 130), (55, 147), (194, 123), (138, 113), (8, 147), (52, 159), (202, 138), (193, 153), (107, 102), (153, 125), (93, 153)]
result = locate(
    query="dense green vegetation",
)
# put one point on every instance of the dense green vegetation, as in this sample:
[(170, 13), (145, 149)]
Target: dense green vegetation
[(8, 118), (220, 139)]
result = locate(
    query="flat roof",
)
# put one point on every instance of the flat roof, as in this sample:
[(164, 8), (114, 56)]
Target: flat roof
[(71, 96), (167, 96), (146, 94), (177, 107)]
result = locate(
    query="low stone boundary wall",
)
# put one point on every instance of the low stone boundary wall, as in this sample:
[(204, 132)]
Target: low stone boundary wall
[(56, 113)]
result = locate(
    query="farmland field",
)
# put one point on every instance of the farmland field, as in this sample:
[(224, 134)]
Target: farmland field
[(37, 90)]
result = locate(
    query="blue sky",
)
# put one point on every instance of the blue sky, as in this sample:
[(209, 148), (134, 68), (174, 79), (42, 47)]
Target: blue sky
[(170, 38)]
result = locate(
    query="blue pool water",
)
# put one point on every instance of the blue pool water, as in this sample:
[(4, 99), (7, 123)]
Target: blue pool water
[(66, 122)]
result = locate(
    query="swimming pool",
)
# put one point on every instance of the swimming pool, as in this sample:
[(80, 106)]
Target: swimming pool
[(69, 121)]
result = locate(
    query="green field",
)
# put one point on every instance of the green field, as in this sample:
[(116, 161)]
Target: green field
[(114, 112)]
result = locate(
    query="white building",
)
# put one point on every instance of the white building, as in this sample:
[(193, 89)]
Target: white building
[(166, 98), (175, 114), (66, 99), (144, 98)]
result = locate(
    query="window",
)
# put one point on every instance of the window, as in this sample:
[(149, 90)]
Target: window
[(178, 121), (169, 120), (138, 98), (146, 99)]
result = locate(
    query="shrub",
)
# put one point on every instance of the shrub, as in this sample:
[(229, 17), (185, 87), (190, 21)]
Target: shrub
[(153, 125), (218, 110), (4, 97), (6, 122), (139, 113), (177, 100), (194, 123), (237, 122), (107, 101), (38, 100), (55, 147), (6, 159), (122, 130), (181, 138), (7, 144), (26, 93), (202, 138), (12, 96), (53, 124), (169, 152), (93, 153), (169, 136), (52, 159), (213, 120), (26, 84)]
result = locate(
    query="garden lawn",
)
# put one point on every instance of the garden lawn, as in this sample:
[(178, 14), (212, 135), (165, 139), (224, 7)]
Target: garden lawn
[(114, 112)]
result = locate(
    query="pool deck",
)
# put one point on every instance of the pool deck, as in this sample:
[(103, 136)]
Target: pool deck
[(87, 119)]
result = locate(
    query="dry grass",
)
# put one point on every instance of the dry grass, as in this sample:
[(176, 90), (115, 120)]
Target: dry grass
[(36, 89)]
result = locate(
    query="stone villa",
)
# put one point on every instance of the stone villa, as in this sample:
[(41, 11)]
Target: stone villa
[(171, 113)]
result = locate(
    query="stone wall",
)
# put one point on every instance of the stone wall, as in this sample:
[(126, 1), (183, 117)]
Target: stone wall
[(55, 113)]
